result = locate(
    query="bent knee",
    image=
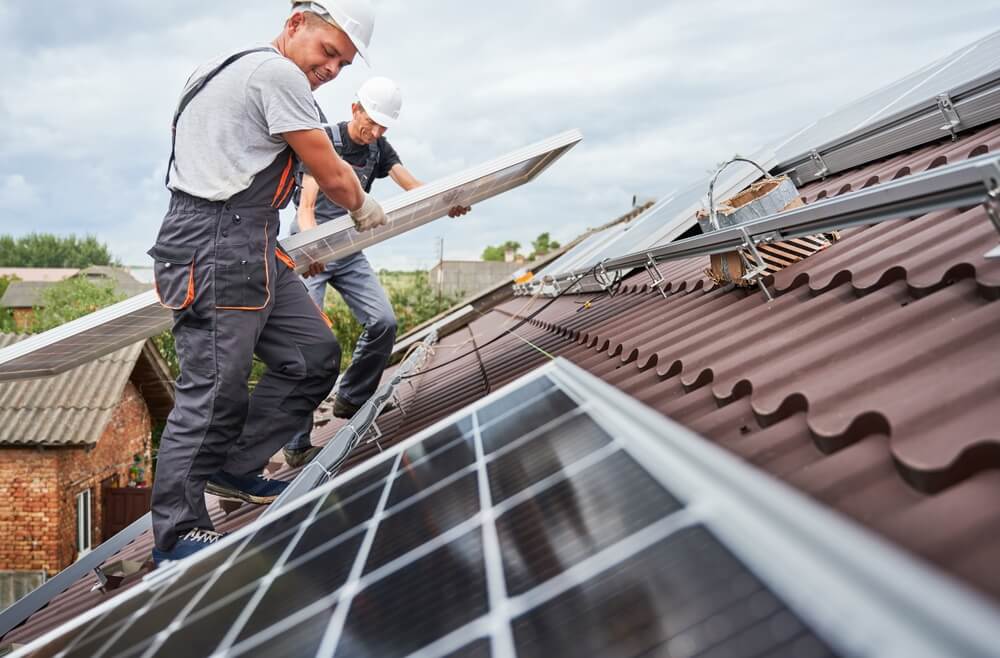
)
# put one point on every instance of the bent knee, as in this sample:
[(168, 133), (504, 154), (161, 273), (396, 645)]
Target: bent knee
[(383, 325), (322, 359)]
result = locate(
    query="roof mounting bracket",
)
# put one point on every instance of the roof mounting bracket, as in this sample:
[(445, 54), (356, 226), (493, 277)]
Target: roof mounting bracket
[(947, 108), (396, 403), (757, 269), (654, 275), (376, 434), (821, 169), (604, 279)]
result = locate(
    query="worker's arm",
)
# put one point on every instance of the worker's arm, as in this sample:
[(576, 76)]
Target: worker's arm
[(332, 175), (408, 181), (306, 215)]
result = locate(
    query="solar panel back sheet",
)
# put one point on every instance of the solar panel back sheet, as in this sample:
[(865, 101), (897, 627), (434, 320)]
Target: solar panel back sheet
[(547, 520), (140, 317)]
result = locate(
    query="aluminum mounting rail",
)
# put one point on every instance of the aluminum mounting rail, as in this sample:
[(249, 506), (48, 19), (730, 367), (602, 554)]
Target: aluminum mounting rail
[(969, 183), (362, 424)]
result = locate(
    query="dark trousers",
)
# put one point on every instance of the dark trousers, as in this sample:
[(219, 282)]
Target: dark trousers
[(216, 424)]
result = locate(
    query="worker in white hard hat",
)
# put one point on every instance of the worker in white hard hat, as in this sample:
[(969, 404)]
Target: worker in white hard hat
[(243, 123), (362, 143)]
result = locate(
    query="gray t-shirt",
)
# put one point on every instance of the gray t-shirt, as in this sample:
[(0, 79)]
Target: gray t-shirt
[(232, 129)]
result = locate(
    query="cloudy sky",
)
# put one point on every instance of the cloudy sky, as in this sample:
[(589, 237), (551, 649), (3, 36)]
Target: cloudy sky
[(661, 90)]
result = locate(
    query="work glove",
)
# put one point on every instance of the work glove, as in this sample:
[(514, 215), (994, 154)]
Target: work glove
[(369, 215)]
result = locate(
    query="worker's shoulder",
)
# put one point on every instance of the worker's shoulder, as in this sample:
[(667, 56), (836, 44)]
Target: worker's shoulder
[(272, 66)]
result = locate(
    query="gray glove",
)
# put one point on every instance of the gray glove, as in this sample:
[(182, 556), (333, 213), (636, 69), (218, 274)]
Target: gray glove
[(369, 215)]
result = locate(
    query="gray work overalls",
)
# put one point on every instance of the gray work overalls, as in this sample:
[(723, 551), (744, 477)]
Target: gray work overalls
[(233, 294)]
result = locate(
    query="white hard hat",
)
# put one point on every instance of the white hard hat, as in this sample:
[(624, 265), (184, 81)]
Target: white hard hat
[(355, 17), (382, 100)]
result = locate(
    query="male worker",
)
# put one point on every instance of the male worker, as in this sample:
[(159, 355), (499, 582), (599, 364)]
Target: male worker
[(239, 128), (360, 142)]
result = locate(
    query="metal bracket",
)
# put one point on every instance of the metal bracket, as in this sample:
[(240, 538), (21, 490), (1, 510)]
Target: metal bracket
[(947, 108), (821, 169), (758, 268), (396, 402), (376, 434), (654, 275), (602, 277), (992, 205)]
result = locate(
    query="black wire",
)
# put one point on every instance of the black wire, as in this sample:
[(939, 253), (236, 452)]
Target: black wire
[(612, 290)]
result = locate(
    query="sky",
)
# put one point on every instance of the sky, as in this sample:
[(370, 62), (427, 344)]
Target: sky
[(661, 90)]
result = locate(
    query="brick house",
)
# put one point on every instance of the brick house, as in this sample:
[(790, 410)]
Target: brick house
[(68, 445)]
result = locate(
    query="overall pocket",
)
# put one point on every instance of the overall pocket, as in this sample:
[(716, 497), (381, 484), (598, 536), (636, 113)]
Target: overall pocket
[(173, 275), (241, 285)]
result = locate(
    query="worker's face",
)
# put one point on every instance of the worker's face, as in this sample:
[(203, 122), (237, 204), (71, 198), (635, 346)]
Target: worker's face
[(365, 126), (318, 48)]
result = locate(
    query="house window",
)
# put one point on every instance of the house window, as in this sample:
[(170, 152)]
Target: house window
[(84, 530)]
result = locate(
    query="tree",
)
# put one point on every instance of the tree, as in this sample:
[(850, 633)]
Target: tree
[(69, 300), (47, 250), (493, 253), (542, 245), (6, 316)]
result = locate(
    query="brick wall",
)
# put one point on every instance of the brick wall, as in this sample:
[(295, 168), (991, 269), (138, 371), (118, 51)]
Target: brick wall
[(38, 530)]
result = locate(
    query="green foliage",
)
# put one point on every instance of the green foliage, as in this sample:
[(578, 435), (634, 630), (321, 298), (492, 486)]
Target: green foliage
[(493, 253), (542, 245), (69, 300), (47, 250), (165, 345), (6, 315), (499, 252)]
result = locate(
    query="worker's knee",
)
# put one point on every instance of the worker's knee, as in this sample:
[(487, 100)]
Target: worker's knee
[(322, 360), (383, 326)]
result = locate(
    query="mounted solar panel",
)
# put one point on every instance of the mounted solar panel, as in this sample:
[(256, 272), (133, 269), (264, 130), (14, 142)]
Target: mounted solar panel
[(141, 316), (557, 516), (424, 204), (955, 93)]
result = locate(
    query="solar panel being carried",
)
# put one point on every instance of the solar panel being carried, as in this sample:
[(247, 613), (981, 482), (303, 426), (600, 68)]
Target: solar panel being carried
[(555, 517), (142, 316)]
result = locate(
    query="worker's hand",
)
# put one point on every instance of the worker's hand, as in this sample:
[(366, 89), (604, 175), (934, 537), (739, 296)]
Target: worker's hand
[(369, 215), (314, 269), (458, 211)]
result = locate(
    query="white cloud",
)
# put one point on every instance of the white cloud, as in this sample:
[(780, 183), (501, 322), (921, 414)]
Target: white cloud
[(661, 91), (16, 193)]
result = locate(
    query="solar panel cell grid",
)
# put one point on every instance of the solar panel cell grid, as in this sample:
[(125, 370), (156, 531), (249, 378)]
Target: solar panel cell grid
[(524, 521)]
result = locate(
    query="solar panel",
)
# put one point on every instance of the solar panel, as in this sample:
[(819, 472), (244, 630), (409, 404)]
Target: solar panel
[(417, 207), (555, 517), (141, 316)]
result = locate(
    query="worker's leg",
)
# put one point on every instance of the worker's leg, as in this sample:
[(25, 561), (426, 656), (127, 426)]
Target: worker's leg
[(302, 358), (215, 351), (358, 284)]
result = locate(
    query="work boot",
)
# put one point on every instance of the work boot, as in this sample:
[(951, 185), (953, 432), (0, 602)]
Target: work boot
[(188, 544), (301, 457), (344, 409), (254, 489)]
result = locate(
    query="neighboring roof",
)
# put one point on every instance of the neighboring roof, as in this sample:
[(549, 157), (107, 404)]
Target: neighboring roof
[(870, 383), (49, 274), (26, 294), (23, 294), (73, 408)]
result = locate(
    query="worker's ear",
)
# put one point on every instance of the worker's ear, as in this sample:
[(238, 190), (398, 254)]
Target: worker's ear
[(295, 22), (356, 109)]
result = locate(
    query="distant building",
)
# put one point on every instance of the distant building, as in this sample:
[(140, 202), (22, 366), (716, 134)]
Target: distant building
[(70, 446), (463, 277), (25, 293)]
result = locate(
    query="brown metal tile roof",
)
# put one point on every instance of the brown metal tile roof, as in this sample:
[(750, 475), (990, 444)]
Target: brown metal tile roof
[(869, 383)]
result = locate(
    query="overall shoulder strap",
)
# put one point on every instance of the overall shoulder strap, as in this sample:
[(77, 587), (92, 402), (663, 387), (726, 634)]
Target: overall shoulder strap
[(194, 91)]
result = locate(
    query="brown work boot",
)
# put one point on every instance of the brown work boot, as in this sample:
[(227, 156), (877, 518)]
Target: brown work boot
[(297, 458), (344, 409)]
